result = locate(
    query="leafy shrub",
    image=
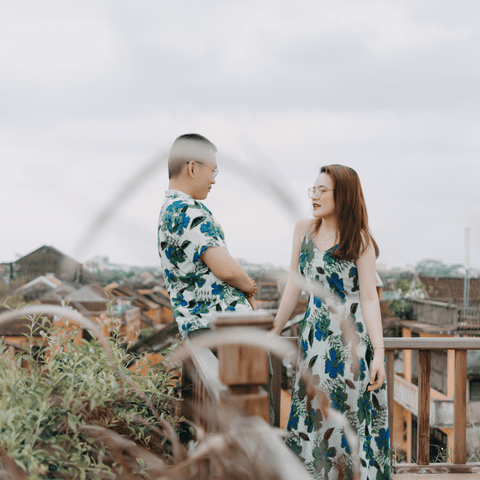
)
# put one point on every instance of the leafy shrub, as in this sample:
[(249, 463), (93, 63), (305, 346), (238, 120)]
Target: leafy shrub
[(53, 413), (402, 308)]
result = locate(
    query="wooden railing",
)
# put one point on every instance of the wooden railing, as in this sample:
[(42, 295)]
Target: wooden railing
[(238, 377), (441, 409), (240, 373), (224, 380), (425, 347)]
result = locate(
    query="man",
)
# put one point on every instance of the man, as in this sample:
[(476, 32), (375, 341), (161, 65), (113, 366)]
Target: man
[(200, 275)]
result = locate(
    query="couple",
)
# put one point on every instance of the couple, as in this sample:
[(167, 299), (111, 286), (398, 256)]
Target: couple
[(340, 340)]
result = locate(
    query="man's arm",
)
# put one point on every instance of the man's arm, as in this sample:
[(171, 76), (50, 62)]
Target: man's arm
[(227, 269)]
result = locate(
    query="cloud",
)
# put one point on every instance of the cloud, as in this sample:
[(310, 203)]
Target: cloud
[(90, 92)]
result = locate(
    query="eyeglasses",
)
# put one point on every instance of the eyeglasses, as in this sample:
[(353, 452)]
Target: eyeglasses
[(213, 170), (317, 190)]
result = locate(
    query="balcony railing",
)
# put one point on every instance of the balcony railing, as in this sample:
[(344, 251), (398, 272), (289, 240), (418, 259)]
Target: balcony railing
[(441, 409), (425, 347), (212, 387)]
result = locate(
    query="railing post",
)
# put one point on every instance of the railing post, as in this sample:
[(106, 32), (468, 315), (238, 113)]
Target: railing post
[(390, 359), (244, 369), (460, 408), (423, 437)]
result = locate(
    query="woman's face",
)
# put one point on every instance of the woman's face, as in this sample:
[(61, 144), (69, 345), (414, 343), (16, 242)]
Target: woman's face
[(322, 201)]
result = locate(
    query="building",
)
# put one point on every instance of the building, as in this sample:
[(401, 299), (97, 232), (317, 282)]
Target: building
[(48, 259), (38, 287), (449, 289)]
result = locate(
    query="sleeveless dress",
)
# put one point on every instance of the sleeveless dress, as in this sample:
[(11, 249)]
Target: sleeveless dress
[(334, 358)]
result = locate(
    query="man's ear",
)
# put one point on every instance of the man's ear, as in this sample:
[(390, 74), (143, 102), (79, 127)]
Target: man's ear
[(191, 169)]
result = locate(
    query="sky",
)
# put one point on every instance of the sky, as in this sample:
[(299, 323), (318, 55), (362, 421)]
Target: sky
[(93, 93)]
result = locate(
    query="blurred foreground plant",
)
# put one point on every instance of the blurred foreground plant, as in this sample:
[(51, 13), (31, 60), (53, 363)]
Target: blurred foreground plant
[(63, 415)]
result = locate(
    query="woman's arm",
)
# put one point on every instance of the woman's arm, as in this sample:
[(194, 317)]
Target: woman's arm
[(371, 313), (293, 288)]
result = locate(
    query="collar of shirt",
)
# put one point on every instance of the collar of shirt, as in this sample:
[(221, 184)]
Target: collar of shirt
[(178, 193)]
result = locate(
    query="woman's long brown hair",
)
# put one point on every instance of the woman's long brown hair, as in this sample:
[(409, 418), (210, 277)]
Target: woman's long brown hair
[(354, 236)]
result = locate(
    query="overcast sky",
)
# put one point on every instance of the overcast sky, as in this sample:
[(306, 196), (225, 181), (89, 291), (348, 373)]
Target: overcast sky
[(93, 92)]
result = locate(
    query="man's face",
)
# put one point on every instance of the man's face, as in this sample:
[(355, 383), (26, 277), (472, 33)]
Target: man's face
[(205, 171)]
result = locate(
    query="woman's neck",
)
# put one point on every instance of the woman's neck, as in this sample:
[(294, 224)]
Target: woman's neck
[(329, 224)]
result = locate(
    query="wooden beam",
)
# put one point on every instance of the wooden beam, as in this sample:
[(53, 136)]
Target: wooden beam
[(423, 437), (389, 357), (432, 343), (460, 408), (467, 470)]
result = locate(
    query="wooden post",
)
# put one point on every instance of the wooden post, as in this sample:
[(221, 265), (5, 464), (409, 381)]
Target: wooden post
[(423, 437), (276, 387), (460, 408), (244, 369), (389, 358)]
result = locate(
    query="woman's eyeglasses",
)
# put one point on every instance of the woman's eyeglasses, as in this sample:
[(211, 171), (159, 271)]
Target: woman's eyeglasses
[(319, 191)]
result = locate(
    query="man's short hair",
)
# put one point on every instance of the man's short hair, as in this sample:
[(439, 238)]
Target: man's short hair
[(186, 148)]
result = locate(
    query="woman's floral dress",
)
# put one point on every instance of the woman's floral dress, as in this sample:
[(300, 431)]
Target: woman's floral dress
[(335, 355)]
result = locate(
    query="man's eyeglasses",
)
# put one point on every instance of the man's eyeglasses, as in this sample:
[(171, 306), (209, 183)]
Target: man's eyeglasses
[(213, 170), (317, 190)]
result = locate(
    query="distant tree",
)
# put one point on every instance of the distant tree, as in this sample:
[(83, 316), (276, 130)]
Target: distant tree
[(397, 276), (438, 268), (110, 276)]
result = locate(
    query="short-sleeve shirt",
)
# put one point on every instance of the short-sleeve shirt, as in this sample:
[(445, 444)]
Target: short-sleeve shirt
[(186, 229)]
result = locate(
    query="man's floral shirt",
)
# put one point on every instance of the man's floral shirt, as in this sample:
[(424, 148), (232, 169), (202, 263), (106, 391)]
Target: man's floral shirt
[(186, 228)]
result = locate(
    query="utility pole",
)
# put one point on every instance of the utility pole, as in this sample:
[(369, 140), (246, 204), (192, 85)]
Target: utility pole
[(466, 285)]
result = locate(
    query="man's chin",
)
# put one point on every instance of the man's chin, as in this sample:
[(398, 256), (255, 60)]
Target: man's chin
[(200, 197)]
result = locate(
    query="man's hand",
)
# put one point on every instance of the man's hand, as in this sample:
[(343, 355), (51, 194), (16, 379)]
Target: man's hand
[(252, 303)]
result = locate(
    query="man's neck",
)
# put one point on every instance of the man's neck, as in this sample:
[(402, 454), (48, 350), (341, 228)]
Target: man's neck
[(179, 187)]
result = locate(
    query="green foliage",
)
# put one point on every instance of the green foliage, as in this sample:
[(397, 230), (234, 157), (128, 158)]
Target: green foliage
[(442, 454), (402, 308), (46, 409), (438, 268), (146, 332), (8, 298)]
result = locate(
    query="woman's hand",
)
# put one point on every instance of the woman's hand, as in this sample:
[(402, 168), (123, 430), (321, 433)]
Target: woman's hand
[(252, 303), (273, 333), (377, 372)]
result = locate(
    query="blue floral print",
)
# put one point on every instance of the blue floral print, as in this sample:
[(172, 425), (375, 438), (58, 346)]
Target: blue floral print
[(186, 229), (334, 364), (210, 229), (345, 444), (383, 440), (304, 349), (317, 302), (177, 223), (336, 284), (339, 397), (339, 368), (321, 328), (198, 254)]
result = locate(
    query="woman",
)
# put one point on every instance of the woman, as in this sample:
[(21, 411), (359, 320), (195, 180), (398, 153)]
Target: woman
[(340, 339)]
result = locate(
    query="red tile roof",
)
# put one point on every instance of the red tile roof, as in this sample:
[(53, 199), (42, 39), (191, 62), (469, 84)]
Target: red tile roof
[(449, 289)]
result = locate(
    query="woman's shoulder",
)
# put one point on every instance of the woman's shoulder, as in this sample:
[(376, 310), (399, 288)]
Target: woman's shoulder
[(303, 226)]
